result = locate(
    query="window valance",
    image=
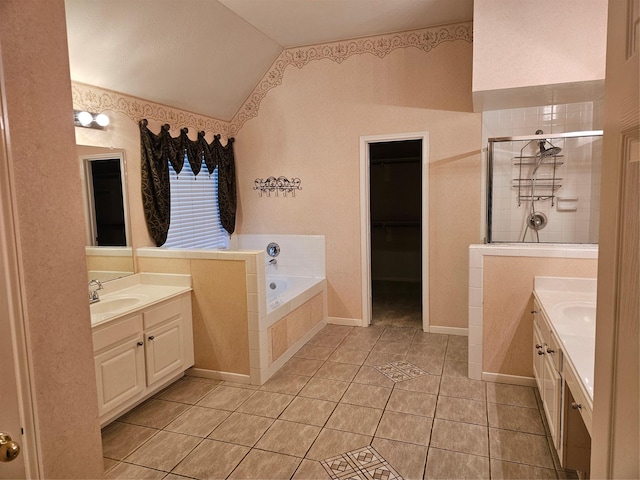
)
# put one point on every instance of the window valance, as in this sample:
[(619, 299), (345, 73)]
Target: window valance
[(157, 151)]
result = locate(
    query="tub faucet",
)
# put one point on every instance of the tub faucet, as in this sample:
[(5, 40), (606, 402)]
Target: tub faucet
[(273, 261), (93, 292)]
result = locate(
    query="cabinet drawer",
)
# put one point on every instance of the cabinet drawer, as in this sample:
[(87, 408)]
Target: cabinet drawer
[(116, 331), (163, 312), (579, 397)]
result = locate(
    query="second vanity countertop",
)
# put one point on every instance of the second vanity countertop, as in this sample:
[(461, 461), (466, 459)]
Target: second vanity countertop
[(570, 306), (136, 292)]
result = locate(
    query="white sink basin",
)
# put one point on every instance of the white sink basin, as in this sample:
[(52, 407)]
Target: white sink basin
[(582, 313), (115, 304)]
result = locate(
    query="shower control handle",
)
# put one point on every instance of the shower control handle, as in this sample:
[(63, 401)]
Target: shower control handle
[(538, 346), (549, 350), (540, 352)]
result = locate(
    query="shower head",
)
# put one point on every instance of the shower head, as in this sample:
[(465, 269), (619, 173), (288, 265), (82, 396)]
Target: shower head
[(548, 152)]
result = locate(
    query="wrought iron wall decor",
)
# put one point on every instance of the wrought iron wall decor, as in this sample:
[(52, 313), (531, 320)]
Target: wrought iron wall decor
[(277, 185)]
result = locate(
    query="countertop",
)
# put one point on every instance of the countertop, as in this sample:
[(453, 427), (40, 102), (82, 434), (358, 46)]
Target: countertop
[(569, 304)]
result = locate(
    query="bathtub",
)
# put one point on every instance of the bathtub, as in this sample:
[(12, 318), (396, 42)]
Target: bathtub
[(281, 290)]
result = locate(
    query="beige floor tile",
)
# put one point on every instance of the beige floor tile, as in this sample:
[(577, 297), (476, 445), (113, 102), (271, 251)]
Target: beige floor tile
[(405, 428), (458, 341), (368, 375), (372, 331), (266, 404), (334, 442), (175, 476), (341, 330), (241, 429), (210, 381), (429, 363), (225, 398), (386, 346), (367, 395), (454, 368), (266, 465), (427, 349), (520, 448), (310, 411), (198, 421), (311, 470), (517, 471), (457, 354), (186, 391), (364, 344), (346, 355), (462, 387), (301, 366), (461, 410), (314, 352), (121, 439), (460, 437), (288, 438), (446, 464), (155, 454), (247, 386), (511, 395), (398, 334), (424, 383), (355, 419), (405, 458), (337, 371), (431, 339), (283, 383), (378, 358), (108, 464), (326, 340), (127, 470), (324, 389), (211, 459), (415, 403), (511, 417), (154, 413)]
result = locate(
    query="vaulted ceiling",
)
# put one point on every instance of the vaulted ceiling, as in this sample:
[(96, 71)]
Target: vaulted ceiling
[(206, 56)]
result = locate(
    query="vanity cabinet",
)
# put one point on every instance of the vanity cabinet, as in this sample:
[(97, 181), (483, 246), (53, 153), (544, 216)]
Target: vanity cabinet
[(547, 367), (138, 354)]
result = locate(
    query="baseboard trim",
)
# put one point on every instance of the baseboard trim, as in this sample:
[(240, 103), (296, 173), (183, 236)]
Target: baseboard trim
[(510, 379), (217, 375), (463, 332), (350, 322)]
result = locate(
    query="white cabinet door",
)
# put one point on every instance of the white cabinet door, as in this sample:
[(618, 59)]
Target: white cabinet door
[(538, 357), (120, 374), (551, 392), (164, 349)]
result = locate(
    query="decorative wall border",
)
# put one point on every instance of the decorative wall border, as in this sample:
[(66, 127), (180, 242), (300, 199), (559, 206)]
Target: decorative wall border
[(95, 99), (380, 46)]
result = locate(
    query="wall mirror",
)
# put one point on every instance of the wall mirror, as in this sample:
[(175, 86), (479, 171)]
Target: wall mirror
[(104, 175)]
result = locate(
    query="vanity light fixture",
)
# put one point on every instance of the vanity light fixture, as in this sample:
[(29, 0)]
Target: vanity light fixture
[(86, 119)]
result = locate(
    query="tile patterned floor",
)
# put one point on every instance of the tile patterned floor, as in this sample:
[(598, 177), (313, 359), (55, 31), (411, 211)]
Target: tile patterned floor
[(330, 400)]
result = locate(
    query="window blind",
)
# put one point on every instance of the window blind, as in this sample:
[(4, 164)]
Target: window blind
[(195, 214)]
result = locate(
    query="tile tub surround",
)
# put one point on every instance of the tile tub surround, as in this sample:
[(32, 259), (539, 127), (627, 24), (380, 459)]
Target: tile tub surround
[(312, 412), (500, 299), (245, 323)]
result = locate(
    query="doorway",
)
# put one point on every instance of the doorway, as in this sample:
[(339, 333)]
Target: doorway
[(395, 230)]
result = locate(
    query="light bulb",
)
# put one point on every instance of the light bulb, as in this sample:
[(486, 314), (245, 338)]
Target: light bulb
[(102, 120), (85, 118)]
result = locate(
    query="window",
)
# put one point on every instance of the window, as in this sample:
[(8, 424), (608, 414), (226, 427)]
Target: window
[(195, 214)]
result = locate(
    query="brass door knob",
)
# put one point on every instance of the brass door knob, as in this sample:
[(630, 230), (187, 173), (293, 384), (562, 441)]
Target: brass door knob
[(9, 449)]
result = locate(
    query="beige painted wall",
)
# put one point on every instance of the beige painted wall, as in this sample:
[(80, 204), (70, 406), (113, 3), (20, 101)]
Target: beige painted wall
[(50, 226), (508, 302), (220, 314), (309, 127)]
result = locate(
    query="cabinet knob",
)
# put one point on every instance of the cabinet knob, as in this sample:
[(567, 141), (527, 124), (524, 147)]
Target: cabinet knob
[(576, 406), (540, 352), (151, 337), (140, 344)]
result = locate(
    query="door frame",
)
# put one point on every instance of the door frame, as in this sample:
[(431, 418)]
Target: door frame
[(365, 220), (15, 341)]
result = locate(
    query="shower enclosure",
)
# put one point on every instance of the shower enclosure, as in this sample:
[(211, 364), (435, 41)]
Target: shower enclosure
[(544, 188)]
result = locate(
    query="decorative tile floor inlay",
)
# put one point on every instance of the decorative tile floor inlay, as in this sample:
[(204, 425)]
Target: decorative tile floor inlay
[(400, 370), (362, 464)]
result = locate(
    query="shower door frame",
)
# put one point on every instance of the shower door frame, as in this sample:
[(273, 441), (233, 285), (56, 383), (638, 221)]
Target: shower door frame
[(365, 220)]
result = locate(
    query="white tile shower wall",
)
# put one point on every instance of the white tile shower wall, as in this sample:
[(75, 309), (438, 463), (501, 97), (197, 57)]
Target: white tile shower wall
[(300, 255), (580, 178)]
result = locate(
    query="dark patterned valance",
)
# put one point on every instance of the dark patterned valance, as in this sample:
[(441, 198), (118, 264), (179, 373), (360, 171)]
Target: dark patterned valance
[(157, 151)]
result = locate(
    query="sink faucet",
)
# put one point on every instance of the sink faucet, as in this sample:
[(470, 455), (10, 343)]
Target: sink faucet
[(93, 292)]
